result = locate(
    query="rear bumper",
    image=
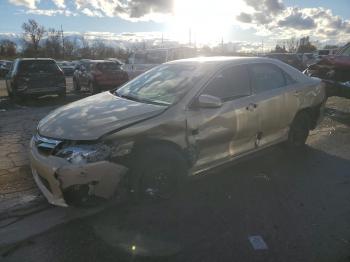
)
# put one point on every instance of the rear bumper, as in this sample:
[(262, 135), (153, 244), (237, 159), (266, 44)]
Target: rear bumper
[(53, 175), (41, 90)]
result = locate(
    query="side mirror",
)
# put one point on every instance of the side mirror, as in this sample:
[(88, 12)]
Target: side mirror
[(208, 101)]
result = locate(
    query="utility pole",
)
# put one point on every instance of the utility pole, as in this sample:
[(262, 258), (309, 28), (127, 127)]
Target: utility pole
[(222, 44), (63, 52), (195, 41), (262, 46), (190, 36)]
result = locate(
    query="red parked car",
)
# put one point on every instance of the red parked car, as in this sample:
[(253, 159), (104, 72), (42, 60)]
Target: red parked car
[(98, 75), (335, 71)]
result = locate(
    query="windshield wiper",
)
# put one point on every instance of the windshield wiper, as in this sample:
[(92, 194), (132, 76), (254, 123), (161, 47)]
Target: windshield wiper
[(146, 101)]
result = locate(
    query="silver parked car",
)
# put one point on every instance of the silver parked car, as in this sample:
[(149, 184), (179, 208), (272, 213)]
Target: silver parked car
[(180, 118)]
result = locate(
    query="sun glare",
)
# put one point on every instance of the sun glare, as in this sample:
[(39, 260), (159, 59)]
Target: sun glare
[(204, 21)]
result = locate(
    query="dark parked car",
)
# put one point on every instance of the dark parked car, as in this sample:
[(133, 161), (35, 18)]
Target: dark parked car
[(98, 75), (67, 68), (291, 59), (35, 76), (335, 71), (4, 67)]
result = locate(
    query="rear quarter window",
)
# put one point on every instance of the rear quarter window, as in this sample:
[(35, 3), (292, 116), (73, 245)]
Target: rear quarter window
[(265, 77)]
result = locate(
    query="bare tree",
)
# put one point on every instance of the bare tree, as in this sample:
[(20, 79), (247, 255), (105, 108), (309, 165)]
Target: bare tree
[(292, 45), (85, 51), (33, 33), (70, 48), (8, 48), (52, 45)]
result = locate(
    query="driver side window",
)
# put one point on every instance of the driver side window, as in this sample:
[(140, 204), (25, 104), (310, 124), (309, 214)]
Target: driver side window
[(229, 84)]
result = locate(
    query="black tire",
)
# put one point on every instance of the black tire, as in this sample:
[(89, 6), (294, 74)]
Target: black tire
[(158, 174), (76, 85), (93, 88), (299, 131)]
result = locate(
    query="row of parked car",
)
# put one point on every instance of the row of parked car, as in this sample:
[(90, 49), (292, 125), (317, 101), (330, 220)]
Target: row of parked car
[(37, 76), (43, 76)]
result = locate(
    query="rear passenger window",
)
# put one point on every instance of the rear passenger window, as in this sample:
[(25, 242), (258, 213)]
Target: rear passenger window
[(266, 77), (229, 84)]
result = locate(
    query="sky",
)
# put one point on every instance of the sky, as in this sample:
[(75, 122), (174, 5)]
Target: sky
[(204, 21)]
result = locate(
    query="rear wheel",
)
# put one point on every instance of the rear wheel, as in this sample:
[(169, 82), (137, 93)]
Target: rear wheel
[(159, 174), (299, 130)]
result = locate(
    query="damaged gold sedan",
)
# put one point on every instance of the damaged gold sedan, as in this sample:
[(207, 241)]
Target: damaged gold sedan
[(178, 119)]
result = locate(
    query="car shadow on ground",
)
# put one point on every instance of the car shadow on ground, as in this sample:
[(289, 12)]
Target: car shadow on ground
[(296, 201)]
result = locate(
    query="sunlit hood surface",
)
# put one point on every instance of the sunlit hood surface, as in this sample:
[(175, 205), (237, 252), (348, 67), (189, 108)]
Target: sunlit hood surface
[(94, 116)]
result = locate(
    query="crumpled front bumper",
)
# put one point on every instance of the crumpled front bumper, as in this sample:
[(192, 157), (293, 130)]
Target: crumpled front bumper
[(53, 175)]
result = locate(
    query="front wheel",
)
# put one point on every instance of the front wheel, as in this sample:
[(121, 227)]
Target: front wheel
[(299, 130), (158, 174)]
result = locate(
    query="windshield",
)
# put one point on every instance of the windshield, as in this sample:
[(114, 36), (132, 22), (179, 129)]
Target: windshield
[(165, 84), (38, 66)]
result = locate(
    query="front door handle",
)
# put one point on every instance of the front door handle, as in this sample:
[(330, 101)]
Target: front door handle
[(251, 107), (297, 93)]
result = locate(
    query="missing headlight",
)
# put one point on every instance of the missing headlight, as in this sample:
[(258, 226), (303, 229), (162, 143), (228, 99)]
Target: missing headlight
[(78, 154)]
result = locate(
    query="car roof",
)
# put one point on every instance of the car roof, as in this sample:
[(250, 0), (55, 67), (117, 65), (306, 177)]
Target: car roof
[(217, 61), (220, 60), (96, 61)]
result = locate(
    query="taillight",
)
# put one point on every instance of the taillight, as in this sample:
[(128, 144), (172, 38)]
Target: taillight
[(60, 72)]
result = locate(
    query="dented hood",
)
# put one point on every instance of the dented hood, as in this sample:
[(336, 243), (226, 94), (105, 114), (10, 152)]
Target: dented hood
[(94, 116)]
